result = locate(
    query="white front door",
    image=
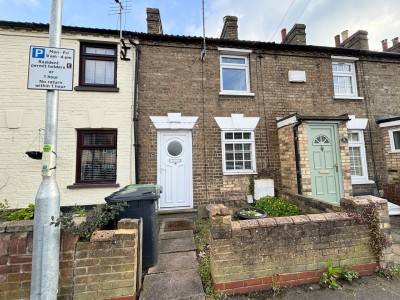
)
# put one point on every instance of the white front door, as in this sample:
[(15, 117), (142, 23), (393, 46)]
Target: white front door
[(175, 169)]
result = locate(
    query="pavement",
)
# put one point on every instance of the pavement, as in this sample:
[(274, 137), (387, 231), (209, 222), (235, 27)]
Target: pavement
[(175, 277)]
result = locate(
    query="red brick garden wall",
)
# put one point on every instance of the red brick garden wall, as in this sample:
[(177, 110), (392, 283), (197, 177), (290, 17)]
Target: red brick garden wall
[(104, 268), (253, 255)]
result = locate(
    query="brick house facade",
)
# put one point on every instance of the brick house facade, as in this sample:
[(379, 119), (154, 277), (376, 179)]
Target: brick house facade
[(93, 110), (177, 87)]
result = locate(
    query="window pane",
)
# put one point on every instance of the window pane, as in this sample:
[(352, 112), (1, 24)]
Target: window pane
[(247, 146), (355, 161), (229, 135), (247, 165), (228, 147), (247, 156), (228, 156), (239, 156), (238, 146), (239, 165), (99, 72), (343, 85), (246, 135), (354, 136), (98, 165), (100, 51), (230, 165), (232, 60), (396, 140), (234, 79), (238, 135), (93, 139)]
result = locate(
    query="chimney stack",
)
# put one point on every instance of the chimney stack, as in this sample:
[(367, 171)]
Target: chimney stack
[(395, 40), (384, 44), (296, 35), (345, 35), (358, 40), (154, 21), (337, 41), (230, 29), (283, 33)]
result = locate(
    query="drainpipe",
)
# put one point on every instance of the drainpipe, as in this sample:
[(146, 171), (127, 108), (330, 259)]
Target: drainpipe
[(135, 111), (297, 157)]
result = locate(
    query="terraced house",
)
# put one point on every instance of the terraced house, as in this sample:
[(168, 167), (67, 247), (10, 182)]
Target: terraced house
[(95, 148), (322, 122)]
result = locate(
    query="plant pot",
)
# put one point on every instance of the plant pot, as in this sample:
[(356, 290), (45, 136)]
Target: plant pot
[(34, 154), (246, 213)]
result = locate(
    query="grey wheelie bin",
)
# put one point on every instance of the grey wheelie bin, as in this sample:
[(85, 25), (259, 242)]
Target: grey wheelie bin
[(142, 203)]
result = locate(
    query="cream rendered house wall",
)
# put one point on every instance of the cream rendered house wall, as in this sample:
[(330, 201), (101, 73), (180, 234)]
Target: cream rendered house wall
[(22, 114)]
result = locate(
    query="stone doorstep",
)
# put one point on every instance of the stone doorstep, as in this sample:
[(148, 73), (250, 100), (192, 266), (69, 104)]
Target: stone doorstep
[(180, 285), (168, 262), (176, 234)]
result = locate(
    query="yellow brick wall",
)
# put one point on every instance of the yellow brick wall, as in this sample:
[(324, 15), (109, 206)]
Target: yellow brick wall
[(20, 176)]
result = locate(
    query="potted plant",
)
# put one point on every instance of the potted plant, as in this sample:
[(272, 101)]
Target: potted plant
[(250, 213)]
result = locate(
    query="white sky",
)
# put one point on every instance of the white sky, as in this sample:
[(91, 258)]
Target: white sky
[(258, 19)]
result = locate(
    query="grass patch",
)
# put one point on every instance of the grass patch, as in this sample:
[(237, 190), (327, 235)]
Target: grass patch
[(276, 207), (202, 231)]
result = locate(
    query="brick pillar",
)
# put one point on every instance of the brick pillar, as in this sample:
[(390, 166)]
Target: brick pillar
[(296, 36), (358, 204), (358, 40)]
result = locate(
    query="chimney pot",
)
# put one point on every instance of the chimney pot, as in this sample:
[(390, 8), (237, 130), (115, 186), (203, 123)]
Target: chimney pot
[(384, 44), (337, 41), (395, 41), (345, 35), (283, 32)]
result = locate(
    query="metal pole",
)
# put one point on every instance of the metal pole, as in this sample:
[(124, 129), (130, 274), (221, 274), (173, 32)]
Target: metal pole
[(46, 237)]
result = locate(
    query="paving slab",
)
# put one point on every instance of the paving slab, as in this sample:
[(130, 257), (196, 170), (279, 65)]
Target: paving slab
[(175, 234), (169, 262), (178, 285), (176, 245)]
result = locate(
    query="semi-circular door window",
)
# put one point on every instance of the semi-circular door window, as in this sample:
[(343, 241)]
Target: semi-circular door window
[(321, 139), (174, 148)]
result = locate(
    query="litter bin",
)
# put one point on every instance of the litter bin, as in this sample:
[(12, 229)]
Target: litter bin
[(142, 203)]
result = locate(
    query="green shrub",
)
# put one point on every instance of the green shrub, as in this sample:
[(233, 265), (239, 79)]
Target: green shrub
[(22, 214), (96, 218), (330, 277), (275, 207), (4, 210)]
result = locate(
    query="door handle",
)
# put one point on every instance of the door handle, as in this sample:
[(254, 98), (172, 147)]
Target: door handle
[(337, 167)]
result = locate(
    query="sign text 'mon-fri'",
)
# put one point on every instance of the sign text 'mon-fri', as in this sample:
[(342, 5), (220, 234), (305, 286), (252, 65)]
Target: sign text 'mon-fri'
[(50, 68)]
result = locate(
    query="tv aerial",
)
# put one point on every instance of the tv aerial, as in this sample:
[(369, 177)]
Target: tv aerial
[(120, 8)]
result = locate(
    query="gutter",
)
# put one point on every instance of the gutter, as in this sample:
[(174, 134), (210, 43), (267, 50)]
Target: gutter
[(135, 111)]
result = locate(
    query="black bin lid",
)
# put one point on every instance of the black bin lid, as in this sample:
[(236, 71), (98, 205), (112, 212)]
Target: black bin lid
[(136, 192)]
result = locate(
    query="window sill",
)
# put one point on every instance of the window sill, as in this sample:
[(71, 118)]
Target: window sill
[(240, 173), (92, 185), (362, 181), (246, 94), (394, 152), (347, 98), (96, 89)]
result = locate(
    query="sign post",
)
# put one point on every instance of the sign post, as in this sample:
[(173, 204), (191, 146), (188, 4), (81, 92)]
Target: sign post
[(44, 66)]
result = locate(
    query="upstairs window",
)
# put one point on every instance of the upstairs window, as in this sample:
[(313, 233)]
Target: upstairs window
[(394, 136), (344, 77), (98, 65), (96, 156), (234, 72)]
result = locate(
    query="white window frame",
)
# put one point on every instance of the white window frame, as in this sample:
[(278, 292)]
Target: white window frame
[(391, 138), (235, 53), (356, 179), (352, 74), (239, 141), (238, 123)]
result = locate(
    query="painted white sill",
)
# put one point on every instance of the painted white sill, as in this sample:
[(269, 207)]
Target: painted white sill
[(394, 152), (236, 94), (362, 181), (347, 98), (241, 173)]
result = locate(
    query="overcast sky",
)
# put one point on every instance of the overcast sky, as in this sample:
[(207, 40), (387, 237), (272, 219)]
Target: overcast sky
[(259, 20)]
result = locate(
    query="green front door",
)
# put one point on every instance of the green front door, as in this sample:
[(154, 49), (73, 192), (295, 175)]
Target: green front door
[(324, 163)]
